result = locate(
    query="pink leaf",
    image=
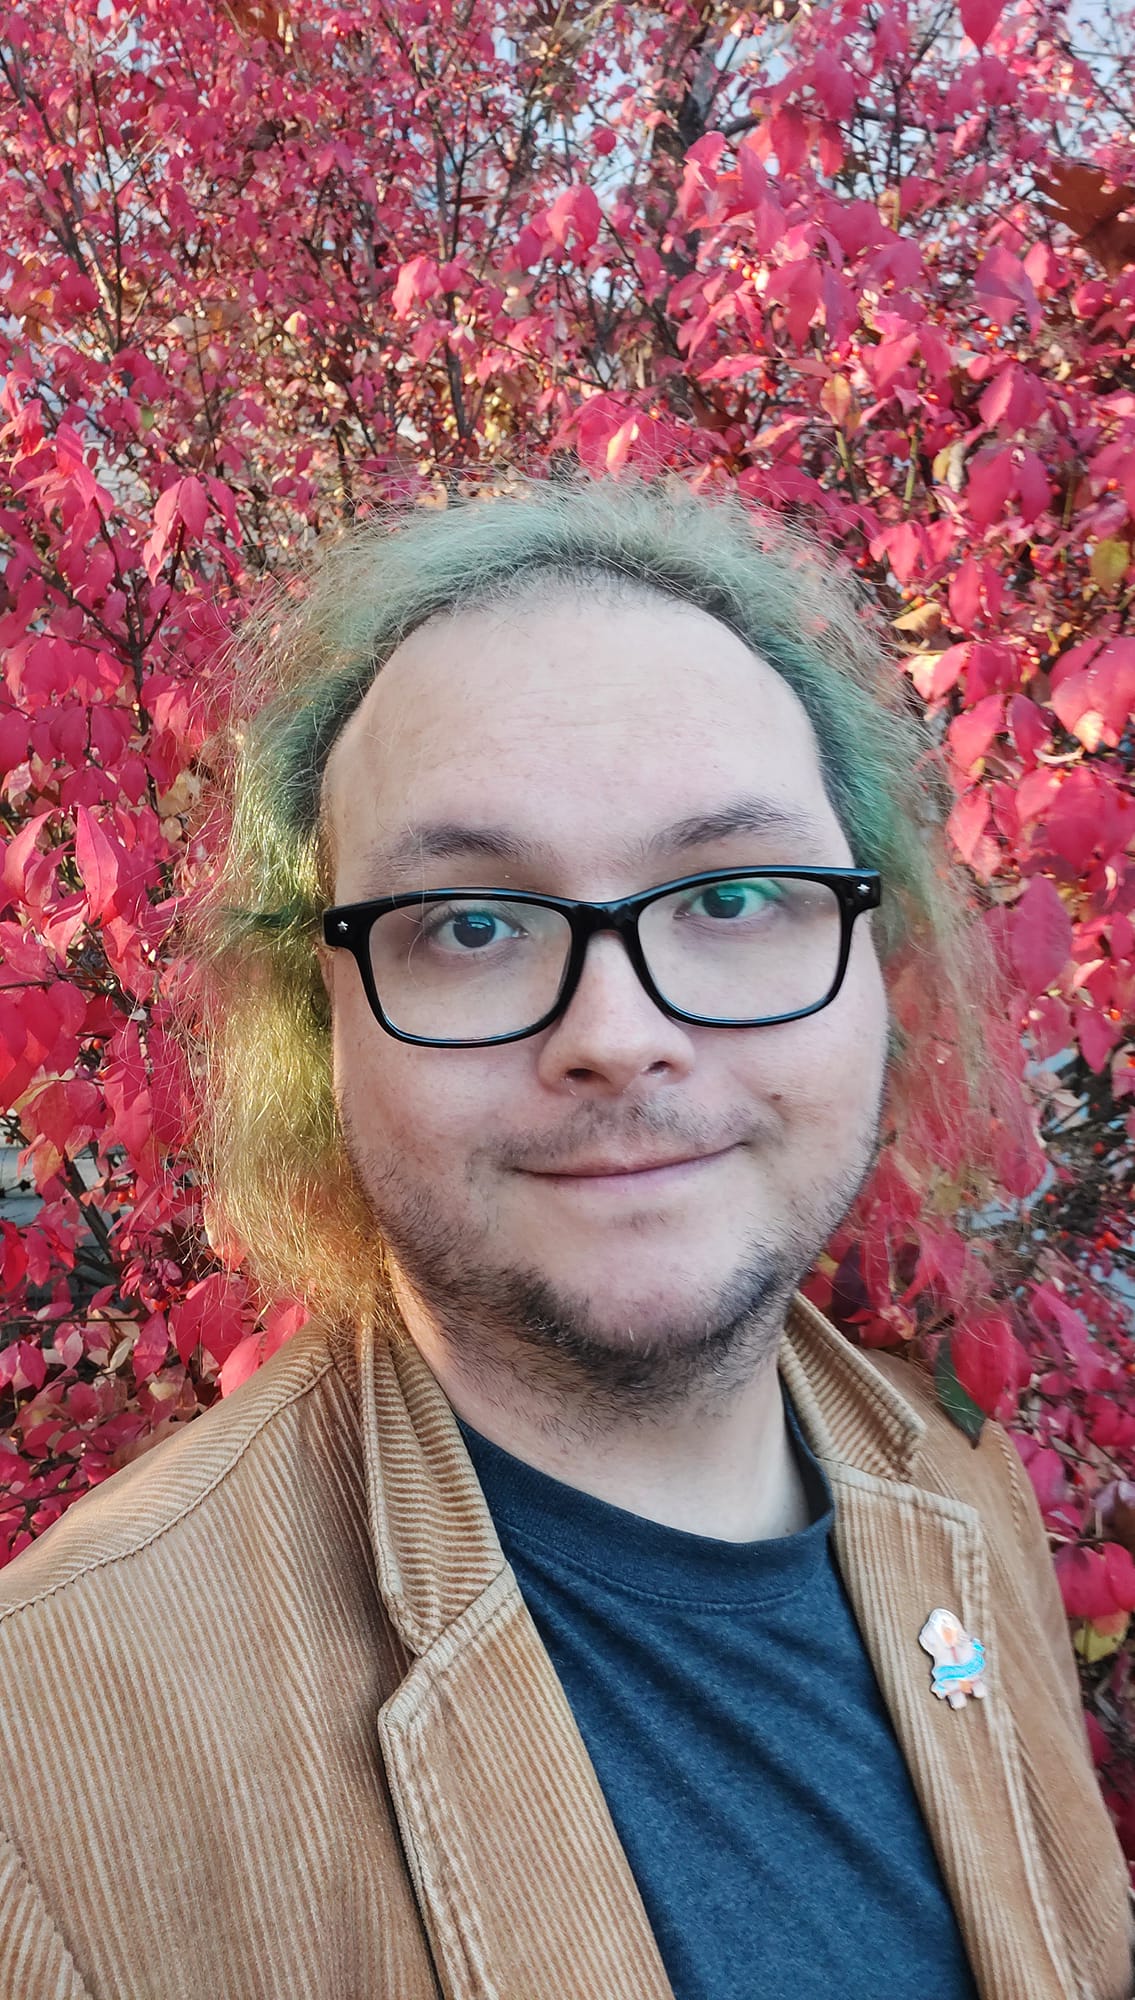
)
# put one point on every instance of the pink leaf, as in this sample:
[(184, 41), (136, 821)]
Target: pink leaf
[(212, 1313), (1097, 1036), (99, 862), (1028, 728), (967, 823), (1096, 1583), (1034, 488), (418, 281), (979, 18), (1096, 702), (990, 1362), (1004, 288), (989, 485), (575, 215), (192, 506), (1040, 936), (972, 732)]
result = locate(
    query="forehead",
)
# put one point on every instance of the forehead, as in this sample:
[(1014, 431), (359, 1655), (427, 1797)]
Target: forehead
[(582, 724)]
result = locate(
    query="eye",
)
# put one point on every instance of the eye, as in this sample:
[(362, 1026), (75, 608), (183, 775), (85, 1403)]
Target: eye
[(741, 897), (468, 929)]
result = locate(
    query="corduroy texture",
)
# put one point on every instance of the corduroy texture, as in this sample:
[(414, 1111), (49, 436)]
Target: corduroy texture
[(275, 1723)]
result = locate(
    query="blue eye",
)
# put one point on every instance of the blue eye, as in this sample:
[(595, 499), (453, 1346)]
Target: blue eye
[(470, 930), (739, 898), (474, 927)]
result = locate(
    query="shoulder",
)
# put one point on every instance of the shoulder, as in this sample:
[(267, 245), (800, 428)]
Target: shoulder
[(988, 1475), (138, 1508)]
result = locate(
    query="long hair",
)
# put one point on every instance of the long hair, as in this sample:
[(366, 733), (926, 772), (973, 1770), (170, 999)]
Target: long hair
[(276, 1174)]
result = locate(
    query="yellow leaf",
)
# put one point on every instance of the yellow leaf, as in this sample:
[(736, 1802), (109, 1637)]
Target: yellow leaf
[(949, 465), (922, 619), (1097, 1642), (1109, 563), (836, 398)]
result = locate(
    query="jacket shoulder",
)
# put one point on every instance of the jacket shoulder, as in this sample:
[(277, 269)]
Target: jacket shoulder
[(986, 1469), (991, 1478), (148, 1497)]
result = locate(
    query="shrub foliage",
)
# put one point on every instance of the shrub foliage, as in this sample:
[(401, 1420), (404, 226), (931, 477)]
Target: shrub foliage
[(267, 266)]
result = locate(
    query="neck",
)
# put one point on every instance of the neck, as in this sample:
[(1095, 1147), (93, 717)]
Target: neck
[(717, 1464)]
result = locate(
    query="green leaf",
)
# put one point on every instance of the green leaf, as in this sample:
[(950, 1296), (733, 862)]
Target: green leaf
[(956, 1401)]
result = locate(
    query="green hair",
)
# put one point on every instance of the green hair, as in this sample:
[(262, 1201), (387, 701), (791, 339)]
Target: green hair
[(276, 1173)]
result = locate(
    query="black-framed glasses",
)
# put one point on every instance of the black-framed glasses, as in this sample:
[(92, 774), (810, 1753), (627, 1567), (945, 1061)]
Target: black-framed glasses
[(728, 948)]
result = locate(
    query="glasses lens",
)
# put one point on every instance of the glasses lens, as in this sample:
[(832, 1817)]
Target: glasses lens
[(744, 949), (470, 967)]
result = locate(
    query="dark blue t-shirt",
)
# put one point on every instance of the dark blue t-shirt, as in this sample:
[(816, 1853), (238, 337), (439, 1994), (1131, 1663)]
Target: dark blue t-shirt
[(742, 1744)]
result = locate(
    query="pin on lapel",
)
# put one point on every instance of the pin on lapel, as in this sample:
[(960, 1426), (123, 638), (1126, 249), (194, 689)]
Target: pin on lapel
[(959, 1661)]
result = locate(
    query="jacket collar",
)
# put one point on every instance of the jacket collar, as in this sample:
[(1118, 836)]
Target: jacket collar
[(481, 1720), (435, 1546)]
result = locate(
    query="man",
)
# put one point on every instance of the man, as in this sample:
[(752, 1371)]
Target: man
[(569, 1610)]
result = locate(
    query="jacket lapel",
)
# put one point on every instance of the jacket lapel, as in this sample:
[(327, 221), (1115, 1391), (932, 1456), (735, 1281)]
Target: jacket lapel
[(903, 1551), (522, 1882), (520, 1877)]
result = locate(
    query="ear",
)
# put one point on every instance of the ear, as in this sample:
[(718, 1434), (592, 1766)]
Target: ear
[(324, 956)]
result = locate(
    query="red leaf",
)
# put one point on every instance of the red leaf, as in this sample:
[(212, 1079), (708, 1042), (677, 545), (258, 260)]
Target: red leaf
[(1096, 702), (972, 732), (575, 215), (789, 134), (1005, 398), (20, 856), (212, 1313), (979, 18), (13, 1257), (1046, 1470), (418, 281), (835, 86), (903, 547), (244, 1360), (99, 862), (967, 823), (1049, 1308), (1028, 728), (1040, 936), (1034, 488), (1096, 1583), (192, 506), (989, 485), (1097, 1036), (1005, 288), (934, 674), (151, 1347), (1049, 1027), (964, 595), (990, 1362), (889, 359)]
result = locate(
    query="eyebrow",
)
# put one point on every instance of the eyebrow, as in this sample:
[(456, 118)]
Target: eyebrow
[(444, 840)]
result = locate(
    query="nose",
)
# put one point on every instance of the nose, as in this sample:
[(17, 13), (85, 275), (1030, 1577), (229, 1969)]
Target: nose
[(612, 1033)]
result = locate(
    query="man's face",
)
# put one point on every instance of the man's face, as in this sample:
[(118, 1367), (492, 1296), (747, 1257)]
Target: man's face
[(572, 734)]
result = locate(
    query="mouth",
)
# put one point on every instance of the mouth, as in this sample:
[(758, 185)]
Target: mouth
[(640, 1175)]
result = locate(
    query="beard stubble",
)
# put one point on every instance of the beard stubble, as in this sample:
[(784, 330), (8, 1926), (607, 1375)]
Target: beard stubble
[(501, 1321)]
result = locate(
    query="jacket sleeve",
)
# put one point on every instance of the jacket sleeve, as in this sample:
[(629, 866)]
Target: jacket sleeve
[(34, 1961)]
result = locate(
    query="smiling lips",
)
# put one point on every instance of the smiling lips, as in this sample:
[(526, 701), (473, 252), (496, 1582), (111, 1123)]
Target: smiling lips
[(625, 1170)]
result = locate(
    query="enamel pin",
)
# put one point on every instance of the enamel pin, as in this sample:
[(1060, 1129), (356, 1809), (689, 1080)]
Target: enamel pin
[(959, 1661)]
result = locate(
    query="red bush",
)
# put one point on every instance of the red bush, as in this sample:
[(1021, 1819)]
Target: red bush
[(262, 266)]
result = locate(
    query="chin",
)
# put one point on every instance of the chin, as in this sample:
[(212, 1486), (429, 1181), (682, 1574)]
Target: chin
[(659, 1303)]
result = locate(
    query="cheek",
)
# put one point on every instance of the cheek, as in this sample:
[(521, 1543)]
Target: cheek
[(427, 1105), (824, 1075)]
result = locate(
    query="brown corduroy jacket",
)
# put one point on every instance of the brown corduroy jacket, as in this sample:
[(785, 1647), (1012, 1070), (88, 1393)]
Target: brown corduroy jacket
[(275, 1723)]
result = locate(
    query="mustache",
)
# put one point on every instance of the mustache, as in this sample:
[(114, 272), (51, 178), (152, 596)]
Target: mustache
[(594, 1129)]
